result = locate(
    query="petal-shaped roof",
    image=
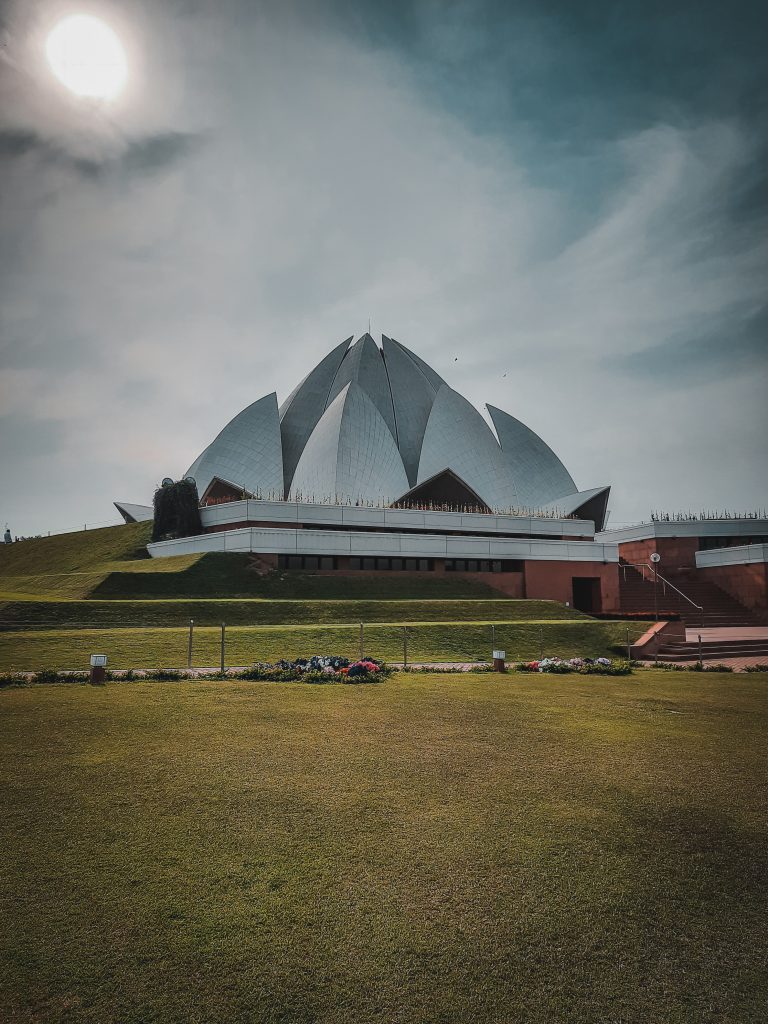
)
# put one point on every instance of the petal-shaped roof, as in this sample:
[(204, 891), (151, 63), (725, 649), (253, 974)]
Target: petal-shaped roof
[(301, 411), (132, 513), (351, 455), (591, 504), (370, 424), (434, 378), (538, 473), (364, 365), (412, 396), (458, 438), (247, 452)]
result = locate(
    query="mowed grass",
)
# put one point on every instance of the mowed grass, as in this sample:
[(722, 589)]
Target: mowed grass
[(430, 850), (231, 575), (70, 552), (433, 642), (64, 598), (112, 563), (68, 614)]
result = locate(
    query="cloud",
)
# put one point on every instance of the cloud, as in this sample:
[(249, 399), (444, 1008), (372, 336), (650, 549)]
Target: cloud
[(139, 156)]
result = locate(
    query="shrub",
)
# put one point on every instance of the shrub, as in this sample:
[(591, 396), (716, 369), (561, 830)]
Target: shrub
[(47, 675), (177, 511), (583, 666), (759, 667), (167, 675), (12, 679), (616, 668)]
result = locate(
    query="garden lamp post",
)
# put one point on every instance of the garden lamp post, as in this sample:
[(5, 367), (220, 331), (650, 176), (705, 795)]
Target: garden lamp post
[(656, 558)]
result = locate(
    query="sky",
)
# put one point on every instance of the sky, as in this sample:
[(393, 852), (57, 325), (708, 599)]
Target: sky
[(561, 207)]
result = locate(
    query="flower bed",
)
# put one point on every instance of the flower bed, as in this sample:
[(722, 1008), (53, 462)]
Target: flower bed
[(319, 669), (582, 666)]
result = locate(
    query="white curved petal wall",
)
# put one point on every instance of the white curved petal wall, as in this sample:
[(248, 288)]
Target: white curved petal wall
[(458, 438), (369, 424), (351, 455), (538, 473)]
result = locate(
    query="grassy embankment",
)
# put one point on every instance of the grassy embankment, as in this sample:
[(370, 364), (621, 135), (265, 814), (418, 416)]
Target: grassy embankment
[(113, 563), (452, 641), (430, 850), (63, 598)]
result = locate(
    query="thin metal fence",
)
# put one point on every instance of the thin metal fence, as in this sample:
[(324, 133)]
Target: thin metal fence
[(228, 646)]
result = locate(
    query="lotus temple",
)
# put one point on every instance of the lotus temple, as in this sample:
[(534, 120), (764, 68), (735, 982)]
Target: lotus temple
[(375, 464)]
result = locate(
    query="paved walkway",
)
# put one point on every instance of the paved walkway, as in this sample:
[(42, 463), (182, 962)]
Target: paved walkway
[(728, 633), (725, 633)]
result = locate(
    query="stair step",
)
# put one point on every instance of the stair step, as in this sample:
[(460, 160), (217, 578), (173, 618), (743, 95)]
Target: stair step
[(639, 595)]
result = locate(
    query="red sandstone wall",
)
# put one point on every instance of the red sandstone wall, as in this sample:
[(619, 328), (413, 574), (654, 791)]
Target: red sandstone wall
[(553, 581), (677, 553), (747, 583)]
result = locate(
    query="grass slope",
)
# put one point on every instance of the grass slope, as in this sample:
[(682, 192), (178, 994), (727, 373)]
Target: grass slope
[(113, 563), (432, 850), (448, 641), (229, 575), (73, 552), (69, 614)]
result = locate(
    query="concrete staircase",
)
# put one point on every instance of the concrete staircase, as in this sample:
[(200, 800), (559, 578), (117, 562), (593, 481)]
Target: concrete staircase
[(755, 650), (720, 609), (722, 613)]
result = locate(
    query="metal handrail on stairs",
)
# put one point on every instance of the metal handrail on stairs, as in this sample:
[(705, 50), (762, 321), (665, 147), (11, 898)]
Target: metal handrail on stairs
[(655, 574)]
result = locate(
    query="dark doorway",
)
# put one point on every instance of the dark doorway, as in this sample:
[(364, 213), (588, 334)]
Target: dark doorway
[(586, 593)]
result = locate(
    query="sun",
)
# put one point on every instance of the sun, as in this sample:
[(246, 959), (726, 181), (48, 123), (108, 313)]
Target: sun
[(87, 56)]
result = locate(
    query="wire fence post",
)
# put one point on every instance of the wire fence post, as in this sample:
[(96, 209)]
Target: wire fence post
[(362, 652), (189, 643), (223, 630), (541, 643), (405, 647), (629, 647)]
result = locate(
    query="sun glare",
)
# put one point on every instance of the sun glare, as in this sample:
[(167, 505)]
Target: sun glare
[(87, 56)]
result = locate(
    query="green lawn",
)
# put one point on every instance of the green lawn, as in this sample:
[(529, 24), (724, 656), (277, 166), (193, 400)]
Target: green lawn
[(429, 850), (434, 641), (69, 614), (72, 552)]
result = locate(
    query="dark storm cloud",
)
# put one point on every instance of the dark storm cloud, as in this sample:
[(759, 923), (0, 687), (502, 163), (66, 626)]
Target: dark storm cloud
[(156, 152), (139, 156)]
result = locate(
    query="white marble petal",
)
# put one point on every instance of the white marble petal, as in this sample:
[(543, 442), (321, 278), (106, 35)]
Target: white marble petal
[(351, 456), (538, 473), (458, 438), (301, 411), (247, 452)]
